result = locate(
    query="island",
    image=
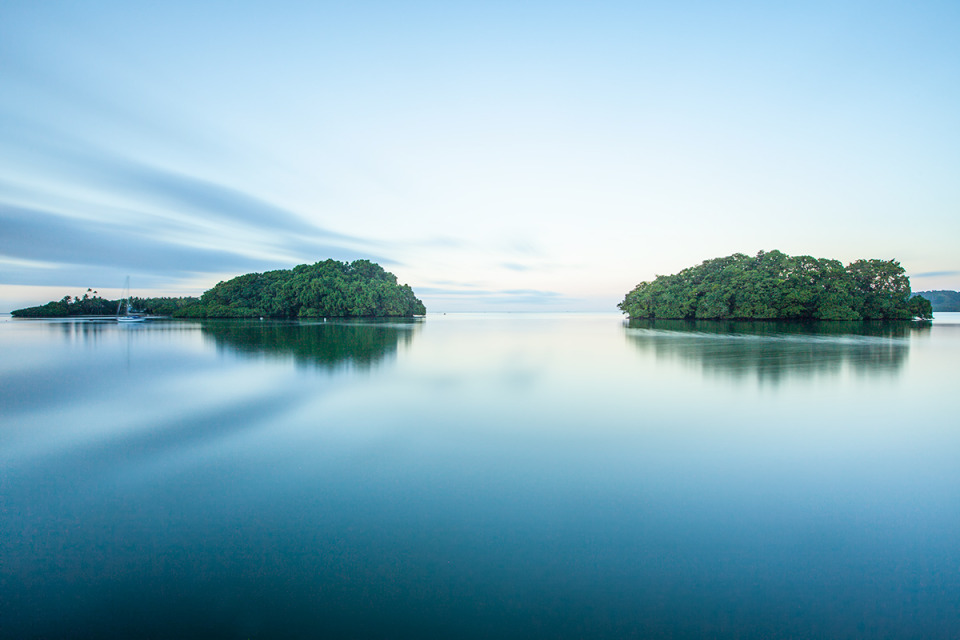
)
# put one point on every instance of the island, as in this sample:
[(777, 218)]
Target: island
[(325, 289), (775, 286), (92, 304)]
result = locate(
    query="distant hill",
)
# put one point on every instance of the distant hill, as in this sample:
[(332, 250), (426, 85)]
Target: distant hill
[(942, 300)]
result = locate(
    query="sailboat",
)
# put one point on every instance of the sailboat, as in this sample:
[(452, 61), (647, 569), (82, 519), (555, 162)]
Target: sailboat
[(125, 305)]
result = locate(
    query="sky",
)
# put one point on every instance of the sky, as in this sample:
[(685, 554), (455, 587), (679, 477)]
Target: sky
[(496, 156)]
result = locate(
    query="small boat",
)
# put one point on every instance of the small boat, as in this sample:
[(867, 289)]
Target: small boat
[(124, 304)]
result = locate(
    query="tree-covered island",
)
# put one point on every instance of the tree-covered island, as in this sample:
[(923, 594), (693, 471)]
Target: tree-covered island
[(326, 289), (776, 286), (92, 304)]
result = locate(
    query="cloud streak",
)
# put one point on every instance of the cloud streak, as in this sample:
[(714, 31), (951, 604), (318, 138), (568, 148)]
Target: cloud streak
[(935, 274), (161, 221), (178, 194), (35, 234), (459, 299)]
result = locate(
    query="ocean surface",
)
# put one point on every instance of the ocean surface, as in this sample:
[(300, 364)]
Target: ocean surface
[(479, 476)]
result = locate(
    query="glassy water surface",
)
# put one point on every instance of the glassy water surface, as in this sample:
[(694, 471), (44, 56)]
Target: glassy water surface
[(475, 476)]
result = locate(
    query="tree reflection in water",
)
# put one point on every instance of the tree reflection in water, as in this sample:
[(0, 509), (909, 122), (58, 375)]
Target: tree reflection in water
[(772, 351), (329, 345)]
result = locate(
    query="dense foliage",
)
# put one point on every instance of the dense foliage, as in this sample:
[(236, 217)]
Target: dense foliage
[(326, 289), (942, 300), (775, 286), (91, 304)]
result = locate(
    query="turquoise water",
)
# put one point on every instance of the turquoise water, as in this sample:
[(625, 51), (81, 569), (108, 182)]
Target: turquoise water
[(475, 476)]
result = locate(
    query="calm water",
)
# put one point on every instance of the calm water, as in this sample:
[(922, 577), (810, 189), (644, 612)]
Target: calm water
[(487, 476)]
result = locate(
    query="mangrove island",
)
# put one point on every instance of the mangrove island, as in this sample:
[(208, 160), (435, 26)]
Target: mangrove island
[(326, 289), (775, 286)]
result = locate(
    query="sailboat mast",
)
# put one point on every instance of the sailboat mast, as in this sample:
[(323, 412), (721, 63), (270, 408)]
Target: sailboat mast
[(125, 298)]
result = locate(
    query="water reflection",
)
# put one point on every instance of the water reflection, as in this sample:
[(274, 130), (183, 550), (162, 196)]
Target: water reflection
[(92, 331), (328, 345), (507, 476), (773, 351)]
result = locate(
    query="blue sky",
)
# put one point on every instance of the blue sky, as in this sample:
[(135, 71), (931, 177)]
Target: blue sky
[(494, 155)]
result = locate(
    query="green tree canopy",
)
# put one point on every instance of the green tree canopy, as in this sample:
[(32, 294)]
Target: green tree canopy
[(326, 289), (775, 286), (91, 304)]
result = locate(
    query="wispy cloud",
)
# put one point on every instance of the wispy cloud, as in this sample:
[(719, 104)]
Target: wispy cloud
[(43, 236), (72, 161), (532, 292), (935, 274), (443, 242), (187, 193), (500, 296), (161, 221)]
